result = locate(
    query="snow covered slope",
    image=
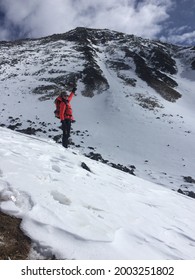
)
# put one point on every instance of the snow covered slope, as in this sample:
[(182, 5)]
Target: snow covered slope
[(99, 213), (135, 102)]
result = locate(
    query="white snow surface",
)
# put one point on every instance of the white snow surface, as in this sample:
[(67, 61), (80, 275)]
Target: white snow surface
[(99, 214)]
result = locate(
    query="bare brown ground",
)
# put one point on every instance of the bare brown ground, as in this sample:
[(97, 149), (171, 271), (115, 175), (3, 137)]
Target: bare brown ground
[(14, 244)]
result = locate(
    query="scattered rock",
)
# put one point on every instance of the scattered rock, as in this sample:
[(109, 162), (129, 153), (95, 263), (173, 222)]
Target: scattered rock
[(98, 157), (189, 179), (188, 193), (84, 166)]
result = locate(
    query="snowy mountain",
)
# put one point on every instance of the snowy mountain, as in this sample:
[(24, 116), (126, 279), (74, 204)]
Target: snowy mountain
[(76, 208), (135, 100)]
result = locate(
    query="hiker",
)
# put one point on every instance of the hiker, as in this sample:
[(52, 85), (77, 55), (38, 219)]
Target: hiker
[(65, 114)]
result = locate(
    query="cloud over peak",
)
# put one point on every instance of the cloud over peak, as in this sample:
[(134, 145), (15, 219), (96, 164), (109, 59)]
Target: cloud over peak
[(37, 18)]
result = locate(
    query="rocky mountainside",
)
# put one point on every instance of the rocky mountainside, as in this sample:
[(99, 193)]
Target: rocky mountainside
[(129, 88), (86, 52)]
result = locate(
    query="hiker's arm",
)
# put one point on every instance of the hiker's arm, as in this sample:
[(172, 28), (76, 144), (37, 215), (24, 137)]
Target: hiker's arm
[(71, 96), (72, 93)]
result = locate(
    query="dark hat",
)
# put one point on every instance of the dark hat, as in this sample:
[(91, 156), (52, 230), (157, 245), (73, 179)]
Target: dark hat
[(64, 93)]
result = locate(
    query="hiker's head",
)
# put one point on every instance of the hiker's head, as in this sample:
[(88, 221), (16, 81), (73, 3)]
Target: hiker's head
[(64, 94)]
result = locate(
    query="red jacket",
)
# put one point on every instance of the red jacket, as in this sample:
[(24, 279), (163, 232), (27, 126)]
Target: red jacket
[(65, 108)]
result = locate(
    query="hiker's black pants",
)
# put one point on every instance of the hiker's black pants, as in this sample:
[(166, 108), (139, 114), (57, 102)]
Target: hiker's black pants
[(66, 126)]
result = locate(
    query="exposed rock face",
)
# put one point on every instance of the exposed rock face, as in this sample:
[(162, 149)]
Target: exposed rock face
[(153, 75)]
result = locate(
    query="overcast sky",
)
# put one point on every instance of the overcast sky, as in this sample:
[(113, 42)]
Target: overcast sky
[(168, 20)]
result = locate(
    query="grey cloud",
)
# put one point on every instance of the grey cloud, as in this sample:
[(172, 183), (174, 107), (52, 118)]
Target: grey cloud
[(185, 38), (36, 18)]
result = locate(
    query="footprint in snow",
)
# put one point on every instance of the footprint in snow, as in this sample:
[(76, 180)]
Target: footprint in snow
[(56, 168), (61, 198)]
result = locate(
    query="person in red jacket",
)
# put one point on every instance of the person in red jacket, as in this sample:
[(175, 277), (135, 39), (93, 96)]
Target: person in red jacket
[(66, 116)]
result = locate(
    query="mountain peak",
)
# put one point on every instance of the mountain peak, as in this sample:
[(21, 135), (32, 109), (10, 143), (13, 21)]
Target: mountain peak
[(153, 61)]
